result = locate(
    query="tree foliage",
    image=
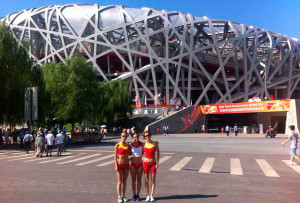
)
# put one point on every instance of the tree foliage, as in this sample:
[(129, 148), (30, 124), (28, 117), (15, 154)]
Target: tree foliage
[(68, 92), (17, 72), (72, 88), (77, 96), (115, 103)]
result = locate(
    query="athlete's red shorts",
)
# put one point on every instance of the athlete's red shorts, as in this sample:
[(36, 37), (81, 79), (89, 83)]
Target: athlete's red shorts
[(137, 165), (150, 166), (123, 167)]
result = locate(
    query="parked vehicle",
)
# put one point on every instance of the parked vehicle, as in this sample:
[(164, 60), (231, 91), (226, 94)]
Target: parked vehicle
[(86, 133)]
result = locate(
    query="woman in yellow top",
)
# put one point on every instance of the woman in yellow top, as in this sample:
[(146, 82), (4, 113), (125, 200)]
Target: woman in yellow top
[(121, 157), (151, 161)]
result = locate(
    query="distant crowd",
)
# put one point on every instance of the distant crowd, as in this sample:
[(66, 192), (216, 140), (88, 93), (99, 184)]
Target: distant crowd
[(44, 140)]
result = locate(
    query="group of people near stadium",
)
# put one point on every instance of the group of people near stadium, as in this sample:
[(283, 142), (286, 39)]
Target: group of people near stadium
[(128, 157)]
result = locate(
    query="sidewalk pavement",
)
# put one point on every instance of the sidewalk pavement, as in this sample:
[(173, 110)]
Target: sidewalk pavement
[(243, 135)]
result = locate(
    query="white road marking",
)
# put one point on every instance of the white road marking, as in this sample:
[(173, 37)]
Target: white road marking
[(235, 167), (207, 165), (181, 164), (16, 156), (44, 157), (29, 157), (296, 167), (163, 159), (82, 158), (10, 155), (95, 160), (58, 159), (106, 163), (266, 168)]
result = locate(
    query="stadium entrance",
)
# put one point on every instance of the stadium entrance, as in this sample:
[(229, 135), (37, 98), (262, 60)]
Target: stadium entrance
[(251, 117)]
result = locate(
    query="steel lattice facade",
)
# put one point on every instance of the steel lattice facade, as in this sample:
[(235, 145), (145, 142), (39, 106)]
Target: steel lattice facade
[(171, 54)]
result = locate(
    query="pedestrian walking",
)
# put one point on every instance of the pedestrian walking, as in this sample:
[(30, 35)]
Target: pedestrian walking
[(236, 129), (227, 129), (39, 144), (293, 137), (121, 158), (165, 130), (22, 134), (15, 136), (27, 141), (136, 168), (59, 142), (151, 163), (6, 136), (50, 143), (222, 129)]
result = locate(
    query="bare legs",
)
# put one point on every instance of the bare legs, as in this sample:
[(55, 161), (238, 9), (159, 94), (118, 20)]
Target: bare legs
[(294, 157), (122, 178), (136, 177), (153, 177)]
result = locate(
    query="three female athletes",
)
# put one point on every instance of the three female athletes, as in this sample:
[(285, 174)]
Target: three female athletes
[(136, 149)]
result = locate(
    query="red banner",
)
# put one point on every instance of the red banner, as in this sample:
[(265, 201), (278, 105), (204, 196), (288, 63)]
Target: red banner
[(247, 107)]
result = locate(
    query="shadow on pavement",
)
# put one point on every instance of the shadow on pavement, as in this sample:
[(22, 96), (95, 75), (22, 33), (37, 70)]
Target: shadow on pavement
[(219, 172), (192, 196)]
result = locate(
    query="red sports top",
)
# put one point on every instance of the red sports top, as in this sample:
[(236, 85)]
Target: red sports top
[(123, 149), (150, 150)]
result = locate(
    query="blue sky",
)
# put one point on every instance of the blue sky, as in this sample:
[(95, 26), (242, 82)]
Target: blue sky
[(282, 16)]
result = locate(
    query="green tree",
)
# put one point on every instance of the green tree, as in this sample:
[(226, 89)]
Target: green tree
[(16, 73), (115, 103), (73, 89)]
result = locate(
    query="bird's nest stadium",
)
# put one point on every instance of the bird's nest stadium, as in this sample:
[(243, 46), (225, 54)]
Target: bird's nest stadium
[(170, 54)]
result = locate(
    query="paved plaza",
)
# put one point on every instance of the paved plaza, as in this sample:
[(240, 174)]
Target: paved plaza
[(193, 168)]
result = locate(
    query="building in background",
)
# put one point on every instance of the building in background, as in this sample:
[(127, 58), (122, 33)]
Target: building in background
[(165, 56)]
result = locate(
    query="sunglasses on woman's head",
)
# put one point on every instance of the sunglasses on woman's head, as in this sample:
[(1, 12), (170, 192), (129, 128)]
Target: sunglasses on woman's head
[(124, 136)]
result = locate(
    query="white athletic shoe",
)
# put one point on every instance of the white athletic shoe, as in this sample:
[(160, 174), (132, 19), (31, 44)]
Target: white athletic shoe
[(148, 199), (152, 199)]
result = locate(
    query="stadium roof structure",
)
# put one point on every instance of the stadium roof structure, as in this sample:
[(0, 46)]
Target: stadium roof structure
[(170, 54)]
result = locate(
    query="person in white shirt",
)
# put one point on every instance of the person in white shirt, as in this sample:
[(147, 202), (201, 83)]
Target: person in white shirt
[(293, 137), (236, 129), (59, 142), (227, 129), (50, 141)]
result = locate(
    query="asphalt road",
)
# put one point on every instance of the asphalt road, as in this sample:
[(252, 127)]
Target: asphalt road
[(196, 169)]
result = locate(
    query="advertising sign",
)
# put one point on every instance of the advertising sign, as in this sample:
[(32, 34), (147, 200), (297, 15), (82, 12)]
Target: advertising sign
[(175, 101), (247, 107)]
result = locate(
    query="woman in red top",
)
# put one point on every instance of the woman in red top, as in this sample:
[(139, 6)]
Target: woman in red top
[(122, 153), (151, 162)]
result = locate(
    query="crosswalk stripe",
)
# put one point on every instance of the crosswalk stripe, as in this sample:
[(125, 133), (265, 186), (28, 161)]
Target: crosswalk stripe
[(95, 160), (207, 165), (9, 154), (74, 160), (106, 163), (266, 168), (163, 159), (181, 164), (39, 159), (22, 158), (295, 167), (57, 159), (15, 156), (235, 167)]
